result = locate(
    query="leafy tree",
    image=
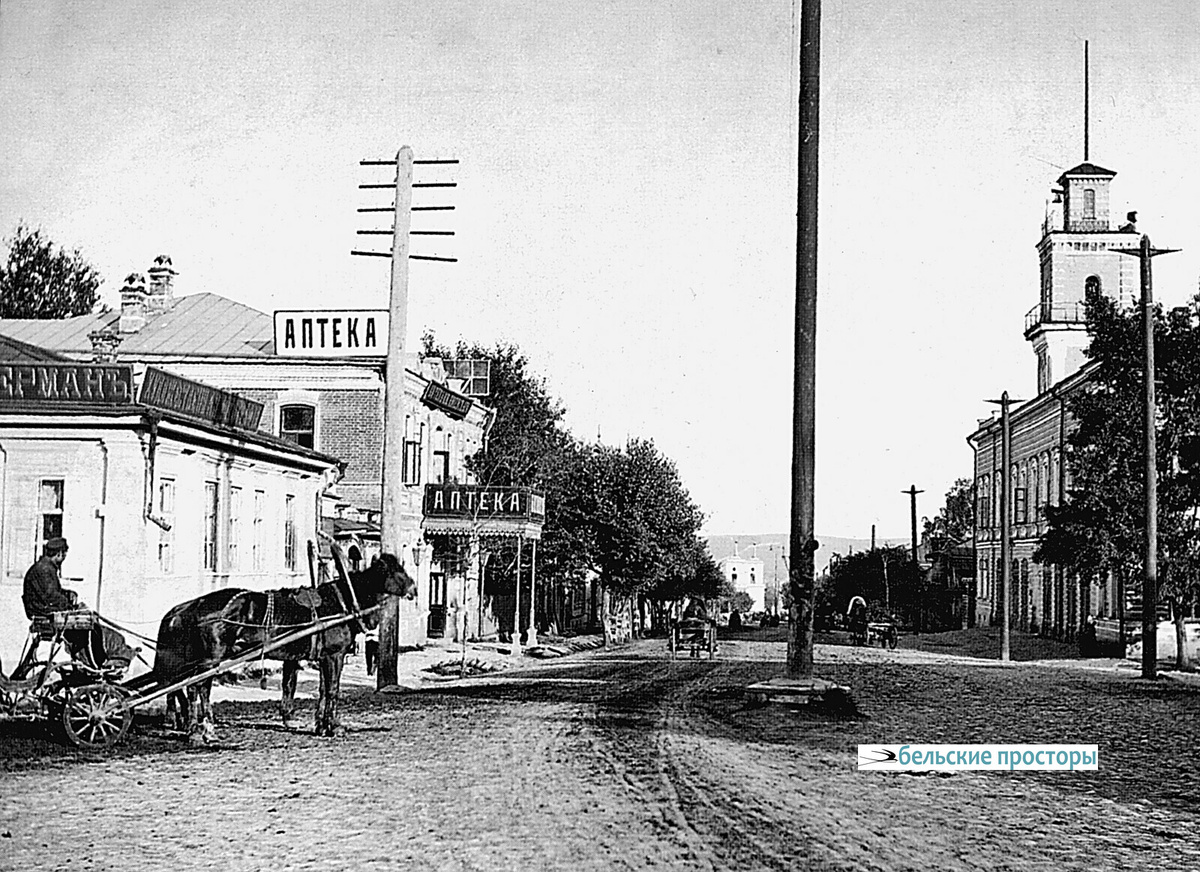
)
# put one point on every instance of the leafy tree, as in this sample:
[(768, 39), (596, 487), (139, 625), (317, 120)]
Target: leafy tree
[(40, 280), (634, 522), (883, 577), (527, 446), (689, 573), (620, 514), (955, 520), (1100, 527)]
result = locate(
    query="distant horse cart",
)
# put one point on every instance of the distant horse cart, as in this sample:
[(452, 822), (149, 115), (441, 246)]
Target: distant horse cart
[(856, 620), (695, 632), (198, 641), (883, 632), (866, 631)]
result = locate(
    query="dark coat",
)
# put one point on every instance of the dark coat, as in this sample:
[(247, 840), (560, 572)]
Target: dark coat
[(43, 592)]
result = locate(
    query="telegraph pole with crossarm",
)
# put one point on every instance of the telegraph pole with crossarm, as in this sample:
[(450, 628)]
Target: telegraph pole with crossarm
[(392, 533)]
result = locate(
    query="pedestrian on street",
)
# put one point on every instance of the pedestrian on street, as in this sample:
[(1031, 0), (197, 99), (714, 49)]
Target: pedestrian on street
[(1087, 637), (371, 649)]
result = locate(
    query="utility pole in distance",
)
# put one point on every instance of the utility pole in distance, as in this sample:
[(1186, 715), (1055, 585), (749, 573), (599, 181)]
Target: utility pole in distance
[(916, 566), (393, 486), (1150, 564)]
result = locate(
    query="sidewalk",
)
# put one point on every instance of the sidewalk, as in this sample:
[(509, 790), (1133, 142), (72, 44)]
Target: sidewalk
[(413, 668)]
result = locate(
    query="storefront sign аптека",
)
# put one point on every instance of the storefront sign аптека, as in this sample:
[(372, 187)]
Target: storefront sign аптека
[(331, 333), (477, 501), (45, 384)]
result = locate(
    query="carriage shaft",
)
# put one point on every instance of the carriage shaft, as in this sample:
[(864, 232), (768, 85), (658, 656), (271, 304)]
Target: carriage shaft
[(248, 656)]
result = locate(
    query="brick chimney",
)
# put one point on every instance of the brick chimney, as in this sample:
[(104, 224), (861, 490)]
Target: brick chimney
[(161, 293), (104, 345), (133, 304)]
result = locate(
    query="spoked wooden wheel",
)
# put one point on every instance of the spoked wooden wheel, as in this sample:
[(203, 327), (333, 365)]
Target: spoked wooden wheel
[(95, 716)]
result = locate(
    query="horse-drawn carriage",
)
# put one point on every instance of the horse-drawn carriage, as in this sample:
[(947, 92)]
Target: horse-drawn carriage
[(197, 642), (868, 632), (86, 701), (695, 632), (696, 635)]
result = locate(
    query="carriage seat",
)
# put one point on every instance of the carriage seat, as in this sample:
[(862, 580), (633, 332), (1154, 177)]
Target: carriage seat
[(43, 628), (47, 628)]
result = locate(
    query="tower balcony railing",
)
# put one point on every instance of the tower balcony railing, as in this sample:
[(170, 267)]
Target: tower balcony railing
[(1055, 313)]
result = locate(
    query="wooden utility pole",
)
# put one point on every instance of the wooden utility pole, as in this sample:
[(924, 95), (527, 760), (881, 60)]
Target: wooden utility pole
[(392, 538), (392, 533), (1150, 562), (803, 543), (916, 566)]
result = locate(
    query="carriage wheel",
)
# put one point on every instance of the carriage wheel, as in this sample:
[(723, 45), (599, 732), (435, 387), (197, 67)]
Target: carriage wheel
[(95, 716)]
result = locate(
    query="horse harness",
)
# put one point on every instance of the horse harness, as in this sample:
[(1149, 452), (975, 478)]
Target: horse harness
[(309, 599)]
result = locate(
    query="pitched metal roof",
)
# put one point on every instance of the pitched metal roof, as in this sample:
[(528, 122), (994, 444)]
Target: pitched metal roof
[(14, 351), (200, 325)]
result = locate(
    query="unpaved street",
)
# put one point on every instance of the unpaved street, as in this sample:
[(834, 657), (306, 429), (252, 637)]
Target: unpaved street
[(626, 760)]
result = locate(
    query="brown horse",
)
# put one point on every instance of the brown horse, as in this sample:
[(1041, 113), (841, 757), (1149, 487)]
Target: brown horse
[(199, 634)]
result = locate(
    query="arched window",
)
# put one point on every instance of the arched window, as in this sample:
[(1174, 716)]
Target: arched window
[(1089, 203), (1091, 285), (297, 423)]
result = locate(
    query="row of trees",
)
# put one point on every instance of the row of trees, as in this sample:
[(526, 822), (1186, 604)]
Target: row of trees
[(618, 514)]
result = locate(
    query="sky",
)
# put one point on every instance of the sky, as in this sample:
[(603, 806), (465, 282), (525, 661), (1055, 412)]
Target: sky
[(626, 196)]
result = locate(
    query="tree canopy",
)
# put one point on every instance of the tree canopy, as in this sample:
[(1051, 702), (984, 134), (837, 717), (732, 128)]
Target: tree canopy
[(41, 280), (620, 513), (1100, 525), (955, 520), (882, 576)]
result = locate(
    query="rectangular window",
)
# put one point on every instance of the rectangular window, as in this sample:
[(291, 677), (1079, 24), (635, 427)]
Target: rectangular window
[(231, 536), (50, 510), (166, 538), (441, 467), (412, 462), (1020, 506), (258, 544), (289, 532), (210, 526), (298, 424)]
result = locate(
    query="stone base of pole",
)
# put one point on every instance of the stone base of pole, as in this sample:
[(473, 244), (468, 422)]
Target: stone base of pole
[(799, 691)]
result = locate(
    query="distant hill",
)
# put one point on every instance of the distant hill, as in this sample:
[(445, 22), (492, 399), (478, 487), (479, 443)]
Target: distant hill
[(760, 545)]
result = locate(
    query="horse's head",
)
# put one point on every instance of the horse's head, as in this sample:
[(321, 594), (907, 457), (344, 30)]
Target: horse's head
[(392, 576)]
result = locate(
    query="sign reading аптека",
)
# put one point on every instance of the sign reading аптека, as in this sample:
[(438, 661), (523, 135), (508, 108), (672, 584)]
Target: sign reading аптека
[(331, 333)]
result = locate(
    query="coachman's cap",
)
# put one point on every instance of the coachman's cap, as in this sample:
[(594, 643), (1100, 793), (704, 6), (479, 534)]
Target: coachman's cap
[(56, 545)]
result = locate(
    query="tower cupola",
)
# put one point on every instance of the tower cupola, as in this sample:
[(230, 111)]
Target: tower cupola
[(1085, 198)]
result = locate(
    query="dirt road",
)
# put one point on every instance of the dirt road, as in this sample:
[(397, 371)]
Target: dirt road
[(627, 760)]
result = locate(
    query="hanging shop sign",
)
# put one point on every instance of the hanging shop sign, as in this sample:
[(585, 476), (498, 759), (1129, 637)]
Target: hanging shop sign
[(438, 396), (478, 502), (51, 384), (331, 333), (167, 391)]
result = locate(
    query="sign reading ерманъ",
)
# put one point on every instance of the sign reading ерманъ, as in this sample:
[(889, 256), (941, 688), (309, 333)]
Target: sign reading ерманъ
[(331, 333)]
